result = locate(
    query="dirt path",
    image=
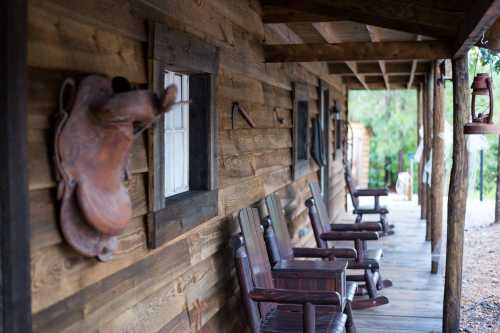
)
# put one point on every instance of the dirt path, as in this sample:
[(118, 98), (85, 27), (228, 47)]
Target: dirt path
[(481, 280)]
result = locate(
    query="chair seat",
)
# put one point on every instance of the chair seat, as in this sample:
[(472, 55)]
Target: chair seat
[(371, 210), (279, 320), (372, 260)]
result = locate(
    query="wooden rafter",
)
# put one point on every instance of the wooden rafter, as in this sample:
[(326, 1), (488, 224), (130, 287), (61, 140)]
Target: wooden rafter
[(373, 68), (413, 67), (354, 68), (329, 35), (355, 51), (392, 14), (480, 17), (374, 37)]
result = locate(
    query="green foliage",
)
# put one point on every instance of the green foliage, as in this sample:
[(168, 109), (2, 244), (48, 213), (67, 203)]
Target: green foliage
[(392, 115)]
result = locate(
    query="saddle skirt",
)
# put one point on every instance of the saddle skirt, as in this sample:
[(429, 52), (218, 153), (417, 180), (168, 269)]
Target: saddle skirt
[(92, 145)]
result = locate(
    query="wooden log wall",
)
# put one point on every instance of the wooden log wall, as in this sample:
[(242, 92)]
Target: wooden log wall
[(187, 284)]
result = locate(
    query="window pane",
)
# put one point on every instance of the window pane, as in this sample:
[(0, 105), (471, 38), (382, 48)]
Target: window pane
[(177, 135)]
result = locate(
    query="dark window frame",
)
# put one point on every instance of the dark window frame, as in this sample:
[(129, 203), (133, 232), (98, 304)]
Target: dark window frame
[(324, 117), (185, 53), (301, 131)]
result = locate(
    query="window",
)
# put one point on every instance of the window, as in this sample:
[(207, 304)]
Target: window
[(183, 170), (176, 135), (300, 130)]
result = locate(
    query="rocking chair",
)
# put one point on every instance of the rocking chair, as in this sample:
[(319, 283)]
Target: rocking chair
[(292, 310), (360, 233), (376, 209)]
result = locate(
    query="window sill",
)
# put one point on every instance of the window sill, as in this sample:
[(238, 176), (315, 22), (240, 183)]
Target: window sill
[(182, 213)]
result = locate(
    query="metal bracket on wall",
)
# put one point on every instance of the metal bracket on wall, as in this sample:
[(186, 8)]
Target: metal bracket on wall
[(238, 109)]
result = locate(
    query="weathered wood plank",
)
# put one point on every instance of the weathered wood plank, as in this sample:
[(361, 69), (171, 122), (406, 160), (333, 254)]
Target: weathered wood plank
[(61, 43), (411, 17), (15, 296), (161, 266), (357, 51), (253, 140)]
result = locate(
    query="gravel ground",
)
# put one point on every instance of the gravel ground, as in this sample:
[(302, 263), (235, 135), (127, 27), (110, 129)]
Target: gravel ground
[(481, 280)]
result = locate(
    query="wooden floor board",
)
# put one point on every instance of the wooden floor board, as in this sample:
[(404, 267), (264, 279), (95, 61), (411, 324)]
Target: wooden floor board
[(416, 298)]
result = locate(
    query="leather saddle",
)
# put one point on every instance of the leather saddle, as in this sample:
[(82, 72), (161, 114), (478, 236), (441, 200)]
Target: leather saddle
[(97, 125)]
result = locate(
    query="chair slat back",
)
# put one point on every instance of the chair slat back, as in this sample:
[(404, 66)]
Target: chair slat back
[(256, 248), (318, 214), (245, 279), (279, 225), (256, 251), (351, 187)]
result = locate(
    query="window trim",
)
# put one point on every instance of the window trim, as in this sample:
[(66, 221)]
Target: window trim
[(300, 167), (324, 116), (171, 50)]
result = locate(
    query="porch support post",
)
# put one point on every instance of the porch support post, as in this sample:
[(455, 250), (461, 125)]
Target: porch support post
[(421, 162), (457, 197), (437, 181), (15, 280), (425, 152), (428, 142)]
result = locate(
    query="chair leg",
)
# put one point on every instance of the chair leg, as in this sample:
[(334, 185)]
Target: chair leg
[(382, 284), (386, 228), (370, 283), (349, 325)]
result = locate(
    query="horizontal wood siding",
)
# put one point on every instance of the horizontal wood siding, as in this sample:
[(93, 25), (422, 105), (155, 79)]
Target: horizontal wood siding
[(186, 284)]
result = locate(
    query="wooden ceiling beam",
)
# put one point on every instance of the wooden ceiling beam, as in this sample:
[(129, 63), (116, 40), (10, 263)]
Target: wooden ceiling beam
[(480, 17), (409, 16), (373, 68), (354, 51)]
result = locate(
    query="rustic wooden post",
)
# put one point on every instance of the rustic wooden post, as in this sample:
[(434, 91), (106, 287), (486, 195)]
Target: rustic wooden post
[(419, 125), (437, 182), (15, 279), (457, 198), (430, 110), (425, 151)]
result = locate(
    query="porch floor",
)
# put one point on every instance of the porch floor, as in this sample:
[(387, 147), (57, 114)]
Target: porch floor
[(416, 298)]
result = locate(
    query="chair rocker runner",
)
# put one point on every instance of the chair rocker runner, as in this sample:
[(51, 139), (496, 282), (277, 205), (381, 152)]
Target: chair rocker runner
[(272, 308), (377, 209), (367, 260)]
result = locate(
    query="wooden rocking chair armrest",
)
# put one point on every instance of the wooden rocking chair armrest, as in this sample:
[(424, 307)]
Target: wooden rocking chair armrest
[(307, 252), (365, 226), (371, 192), (349, 235), (289, 296)]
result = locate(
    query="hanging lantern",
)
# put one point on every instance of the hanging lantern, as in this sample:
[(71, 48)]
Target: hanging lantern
[(482, 122)]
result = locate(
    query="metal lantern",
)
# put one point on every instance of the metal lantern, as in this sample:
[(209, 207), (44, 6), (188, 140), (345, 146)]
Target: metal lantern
[(482, 123)]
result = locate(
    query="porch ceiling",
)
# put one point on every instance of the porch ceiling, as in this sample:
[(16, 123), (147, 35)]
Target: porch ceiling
[(379, 44)]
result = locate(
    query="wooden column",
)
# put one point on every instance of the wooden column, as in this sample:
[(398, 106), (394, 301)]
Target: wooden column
[(15, 280), (419, 125), (428, 141), (457, 197), (437, 182), (425, 152)]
